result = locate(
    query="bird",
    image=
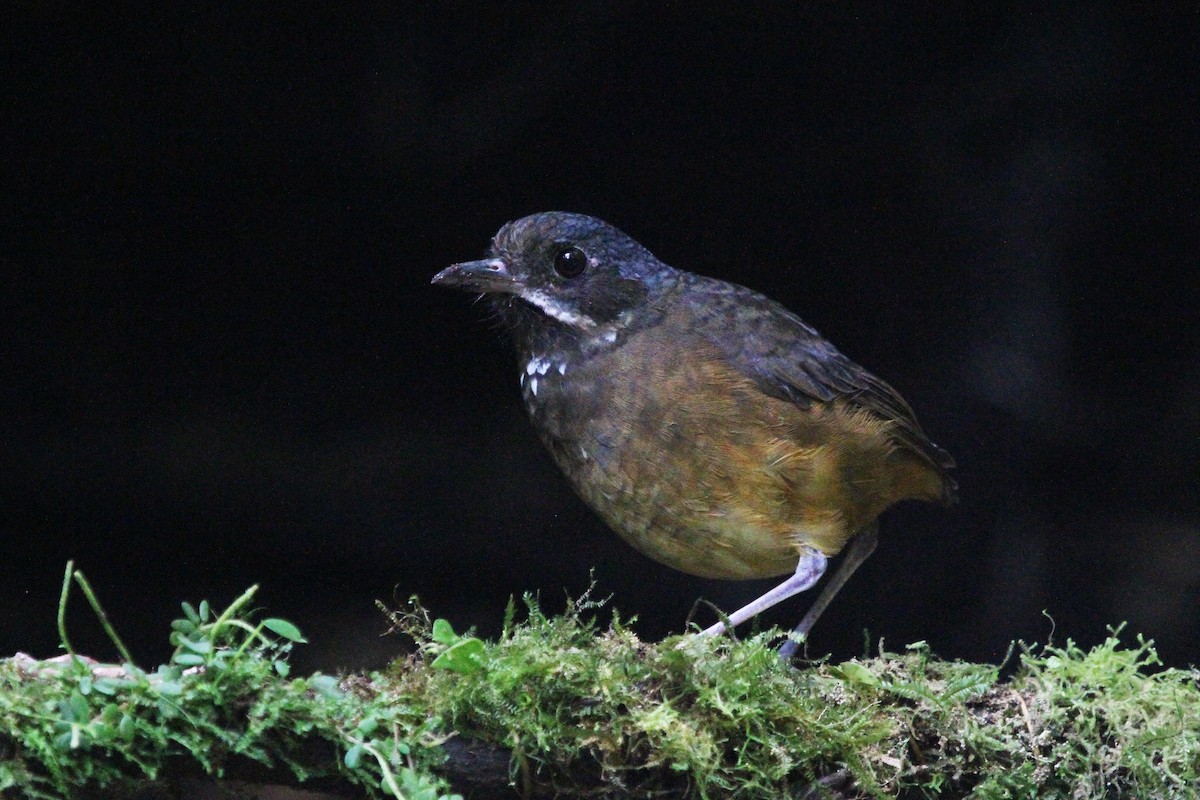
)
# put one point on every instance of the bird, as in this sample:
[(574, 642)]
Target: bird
[(707, 425)]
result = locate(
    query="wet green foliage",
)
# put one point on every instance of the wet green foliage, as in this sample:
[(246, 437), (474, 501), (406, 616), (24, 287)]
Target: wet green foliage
[(70, 726), (715, 717), (599, 712)]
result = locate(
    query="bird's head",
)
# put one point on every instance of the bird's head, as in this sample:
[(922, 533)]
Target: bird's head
[(560, 270)]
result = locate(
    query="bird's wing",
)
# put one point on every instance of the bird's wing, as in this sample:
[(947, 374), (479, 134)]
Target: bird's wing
[(789, 360)]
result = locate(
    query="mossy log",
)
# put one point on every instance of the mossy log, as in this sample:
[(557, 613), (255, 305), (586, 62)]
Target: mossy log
[(557, 707)]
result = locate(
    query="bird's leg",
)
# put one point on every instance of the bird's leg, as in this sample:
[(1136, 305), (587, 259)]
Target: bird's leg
[(860, 549), (808, 571)]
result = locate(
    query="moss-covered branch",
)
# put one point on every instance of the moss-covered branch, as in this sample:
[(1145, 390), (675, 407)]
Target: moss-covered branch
[(557, 706)]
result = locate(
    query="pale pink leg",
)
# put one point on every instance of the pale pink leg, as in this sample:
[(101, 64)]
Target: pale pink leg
[(860, 549), (808, 571)]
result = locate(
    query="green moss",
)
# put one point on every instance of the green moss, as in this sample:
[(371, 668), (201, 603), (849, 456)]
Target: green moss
[(725, 718), (1102, 724), (716, 715), (599, 712), (70, 726)]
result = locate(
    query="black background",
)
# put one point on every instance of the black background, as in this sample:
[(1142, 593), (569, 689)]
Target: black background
[(223, 363)]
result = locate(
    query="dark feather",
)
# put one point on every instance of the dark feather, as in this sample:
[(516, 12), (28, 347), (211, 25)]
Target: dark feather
[(789, 360)]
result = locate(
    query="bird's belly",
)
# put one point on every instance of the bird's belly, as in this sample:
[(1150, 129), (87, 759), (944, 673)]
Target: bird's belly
[(670, 516), (673, 486)]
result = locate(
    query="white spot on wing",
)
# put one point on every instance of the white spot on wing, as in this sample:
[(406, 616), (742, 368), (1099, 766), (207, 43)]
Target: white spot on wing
[(533, 386)]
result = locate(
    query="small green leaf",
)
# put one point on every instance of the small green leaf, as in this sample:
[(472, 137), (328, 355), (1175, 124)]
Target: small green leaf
[(201, 646), (126, 728), (443, 632), (190, 612), (281, 627), (183, 625), (283, 668), (79, 707), (465, 656), (368, 726), (857, 673), (205, 611), (353, 756), (168, 672), (325, 685), (188, 659)]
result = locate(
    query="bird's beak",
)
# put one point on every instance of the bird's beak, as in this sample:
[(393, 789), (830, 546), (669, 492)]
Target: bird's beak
[(487, 275)]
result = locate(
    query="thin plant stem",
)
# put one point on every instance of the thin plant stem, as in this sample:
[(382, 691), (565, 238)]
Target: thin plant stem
[(234, 607), (63, 641), (103, 617)]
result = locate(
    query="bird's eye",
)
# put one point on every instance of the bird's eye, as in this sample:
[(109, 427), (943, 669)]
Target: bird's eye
[(570, 262)]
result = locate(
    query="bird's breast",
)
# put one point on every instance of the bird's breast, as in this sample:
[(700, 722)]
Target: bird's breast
[(541, 374), (653, 439)]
